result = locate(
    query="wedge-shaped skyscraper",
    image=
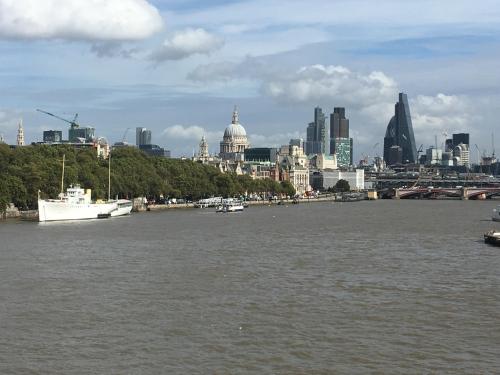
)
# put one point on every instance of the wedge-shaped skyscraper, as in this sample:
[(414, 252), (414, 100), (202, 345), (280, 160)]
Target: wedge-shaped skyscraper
[(400, 133)]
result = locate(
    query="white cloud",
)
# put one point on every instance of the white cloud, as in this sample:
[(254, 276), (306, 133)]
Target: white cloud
[(192, 133), (319, 83), (441, 114), (94, 20), (273, 140), (185, 43)]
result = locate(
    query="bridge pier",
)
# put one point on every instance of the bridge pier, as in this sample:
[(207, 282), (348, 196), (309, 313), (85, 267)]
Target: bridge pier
[(396, 193), (465, 195)]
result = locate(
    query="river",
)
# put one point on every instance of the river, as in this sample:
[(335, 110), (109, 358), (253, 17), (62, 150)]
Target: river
[(386, 287)]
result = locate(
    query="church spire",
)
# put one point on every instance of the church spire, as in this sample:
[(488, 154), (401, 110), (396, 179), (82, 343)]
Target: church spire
[(20, 134)]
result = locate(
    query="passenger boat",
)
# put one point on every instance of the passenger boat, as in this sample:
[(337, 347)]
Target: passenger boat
[(496, 214), (230, 207), (492, 237)]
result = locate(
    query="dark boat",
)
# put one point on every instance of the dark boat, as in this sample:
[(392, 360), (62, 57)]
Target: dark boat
[(492, 237)]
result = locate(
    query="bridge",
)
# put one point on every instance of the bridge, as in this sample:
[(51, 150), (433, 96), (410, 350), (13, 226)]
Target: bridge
[(433, 193)]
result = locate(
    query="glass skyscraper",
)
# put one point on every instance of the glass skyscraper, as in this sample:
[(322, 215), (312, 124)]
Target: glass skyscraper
[(316, 134), (400, 133), (340, 143)]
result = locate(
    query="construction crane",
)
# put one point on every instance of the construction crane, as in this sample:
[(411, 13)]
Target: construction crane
[(125, 135), (73, 122), (420, 151)]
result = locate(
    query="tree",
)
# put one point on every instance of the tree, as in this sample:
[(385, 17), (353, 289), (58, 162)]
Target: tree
[(342, 186)]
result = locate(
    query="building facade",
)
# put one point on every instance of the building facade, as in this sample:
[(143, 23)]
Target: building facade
[(400, 133), (52, 136)]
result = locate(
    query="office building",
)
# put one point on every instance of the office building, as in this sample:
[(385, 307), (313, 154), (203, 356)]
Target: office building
[(400, 133), (78, 134), (316, 134), (142, 136), (52, 136), (340, 143)]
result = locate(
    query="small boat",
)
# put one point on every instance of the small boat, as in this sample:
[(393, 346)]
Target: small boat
[(492, 237), (230, 207), (496, 214)]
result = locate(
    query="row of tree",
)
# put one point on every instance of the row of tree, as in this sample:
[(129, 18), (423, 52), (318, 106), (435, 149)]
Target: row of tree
[(26, 171)]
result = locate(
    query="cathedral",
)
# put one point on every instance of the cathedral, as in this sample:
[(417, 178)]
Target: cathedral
[(234, 142)]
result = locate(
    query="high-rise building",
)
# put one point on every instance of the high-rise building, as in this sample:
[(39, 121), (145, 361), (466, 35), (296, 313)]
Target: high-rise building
[(142, 136), (340, 143), (316, 134), (400, 133), (461, 155), (77, 134), (52, 136), (460, 138)]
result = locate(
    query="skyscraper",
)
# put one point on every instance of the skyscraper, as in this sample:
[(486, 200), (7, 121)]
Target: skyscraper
[(340, 143), (142, 136), (316, 134), (400, 133)]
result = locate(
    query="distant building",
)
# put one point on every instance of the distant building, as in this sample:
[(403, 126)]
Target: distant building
[(52, 136), (235, 142), (394, 155), (142, 136), (316, 134), (461, 138), (261, 154), (20, 134), (323, 180), (155, 150), (323, 161), (461, 155), (77, 134), (340, 143), (400, 133), (433, 156)]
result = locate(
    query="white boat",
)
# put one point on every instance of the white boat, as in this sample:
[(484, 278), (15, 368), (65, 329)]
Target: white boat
[(496, 214), (124, 207), (230, 207), (75, 204)]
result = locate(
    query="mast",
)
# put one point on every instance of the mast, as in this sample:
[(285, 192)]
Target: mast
[(109, 176), (62, 175)]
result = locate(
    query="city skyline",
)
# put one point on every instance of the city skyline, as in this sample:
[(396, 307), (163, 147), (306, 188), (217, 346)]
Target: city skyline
[(179, 67)]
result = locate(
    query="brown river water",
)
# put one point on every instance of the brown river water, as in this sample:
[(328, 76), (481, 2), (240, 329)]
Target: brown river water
[(384, 287)]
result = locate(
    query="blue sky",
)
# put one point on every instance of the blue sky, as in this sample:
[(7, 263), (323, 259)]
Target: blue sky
[(178, 67)]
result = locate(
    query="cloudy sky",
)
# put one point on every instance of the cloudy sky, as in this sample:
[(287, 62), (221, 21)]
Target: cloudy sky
[(178, 67)]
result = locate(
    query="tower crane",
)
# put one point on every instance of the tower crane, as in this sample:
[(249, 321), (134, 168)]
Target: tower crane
[(74, 124), (125, 135)]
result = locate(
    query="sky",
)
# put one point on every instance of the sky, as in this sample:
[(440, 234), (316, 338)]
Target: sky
[(178, 67)]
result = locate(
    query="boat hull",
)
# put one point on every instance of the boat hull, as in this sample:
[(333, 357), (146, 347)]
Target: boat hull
[(60, 210), (124, 207), (492, 238)]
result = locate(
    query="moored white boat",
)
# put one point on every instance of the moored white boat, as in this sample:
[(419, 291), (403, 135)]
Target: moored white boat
[(75, 204), (124, 207)]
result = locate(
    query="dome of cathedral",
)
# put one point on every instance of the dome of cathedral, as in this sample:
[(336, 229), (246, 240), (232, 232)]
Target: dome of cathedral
[(235, 130)]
